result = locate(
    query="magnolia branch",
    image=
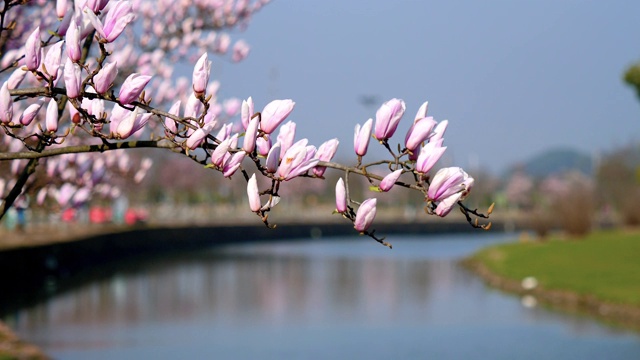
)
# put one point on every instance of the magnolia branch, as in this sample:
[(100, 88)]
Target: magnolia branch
[(164, 144), (364, 173), (191, 135)]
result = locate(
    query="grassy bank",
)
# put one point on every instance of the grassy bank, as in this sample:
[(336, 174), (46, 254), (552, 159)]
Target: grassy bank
[(605, 265)]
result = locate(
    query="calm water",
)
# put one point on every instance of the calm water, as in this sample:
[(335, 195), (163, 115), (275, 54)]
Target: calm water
[(324, 299)]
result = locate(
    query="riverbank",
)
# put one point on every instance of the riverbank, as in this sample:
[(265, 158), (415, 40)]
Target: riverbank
[(43, 261), (598, 275)]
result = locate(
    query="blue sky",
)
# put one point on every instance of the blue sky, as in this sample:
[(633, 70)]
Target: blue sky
[(513, 77)]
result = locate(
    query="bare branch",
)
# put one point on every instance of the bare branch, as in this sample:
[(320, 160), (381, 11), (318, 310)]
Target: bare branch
[(164, 144)]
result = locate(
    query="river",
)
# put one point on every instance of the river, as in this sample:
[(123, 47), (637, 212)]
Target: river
[(340, 298)]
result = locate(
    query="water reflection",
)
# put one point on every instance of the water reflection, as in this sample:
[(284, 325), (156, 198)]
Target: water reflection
[(301, 299)]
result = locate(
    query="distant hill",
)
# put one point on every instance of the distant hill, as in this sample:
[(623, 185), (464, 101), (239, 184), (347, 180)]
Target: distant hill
[(556, 161)]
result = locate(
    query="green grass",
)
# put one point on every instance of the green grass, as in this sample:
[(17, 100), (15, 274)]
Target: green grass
[(604, 264)]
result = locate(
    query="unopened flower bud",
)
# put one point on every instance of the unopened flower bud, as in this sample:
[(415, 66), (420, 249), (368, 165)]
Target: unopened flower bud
[(105, 77), (253, 194), (390, 180), (72, 41), (51, 120), (31, 112), (246, 112), (361, 137), (263, 145), (250, 136), (273, 158), (387, 119), (32, 56), (73, 79), (341, 197), (53, 58), (201, 73), (132, 88), (365, 215), (6, 104), (326, 151)]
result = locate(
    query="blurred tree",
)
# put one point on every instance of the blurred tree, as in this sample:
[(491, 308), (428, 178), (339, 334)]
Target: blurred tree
[(632, 77), (618, 184)]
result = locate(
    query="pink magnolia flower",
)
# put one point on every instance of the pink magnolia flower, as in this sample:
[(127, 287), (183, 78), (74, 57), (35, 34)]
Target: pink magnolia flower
[(96, 5), (215, 108), (52, 60), (223, 43), (273, 201), (240, 51), (422, 111), (232, 106), (429, 156), (201, 73), (273, 158), (210, 118), (131, 123), (6, 104), (246, 112), (73, 79), (193, 107), (31, 112), (81, 196), (33, 55), (98, 171), (361, 137), (218, 155), (224, 132), (387, 119), (418, 132), (40, 197), (65, 21), (253, 194), (365, 215), (439, 130), (297, 160), (132, 88), (51, 119), (74, 115), (275, 113), (286, 136), (249, 143), (447, 182), (118, 17), (72, 42), (263, 144), (198, 136), (61, 8), (105, 77), (445, 205), (341, 197), (169, 123), (326, 151), (390, 180), (16, 78), (232, 165), (64, 194)]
